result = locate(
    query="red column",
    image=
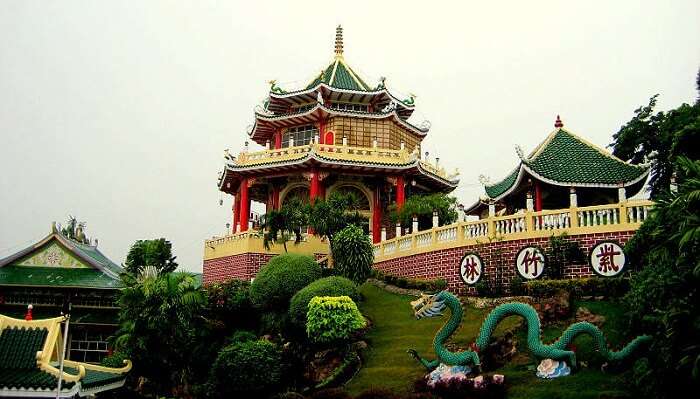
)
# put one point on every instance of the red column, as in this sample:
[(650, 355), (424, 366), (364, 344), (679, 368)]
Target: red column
[(244, 205), (234, 207), (322, 131), (538, 197), (314, 189), (400, 194), (275, 197), (377, 215), (278, 139)]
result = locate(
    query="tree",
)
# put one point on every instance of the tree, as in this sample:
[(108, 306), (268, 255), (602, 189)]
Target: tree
[(288, 221), (659, 138), (353, 254), (329, 216), (159, 322), (156, 253), (422, 206), (663, 295)]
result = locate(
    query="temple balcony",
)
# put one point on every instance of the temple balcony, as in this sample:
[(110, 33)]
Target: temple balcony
[(623, 216), (252, 242), (341, 154)]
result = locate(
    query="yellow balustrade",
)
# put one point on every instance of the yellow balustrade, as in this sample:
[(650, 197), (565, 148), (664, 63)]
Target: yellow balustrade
[(624, 216), (253, 242), (336, 152)]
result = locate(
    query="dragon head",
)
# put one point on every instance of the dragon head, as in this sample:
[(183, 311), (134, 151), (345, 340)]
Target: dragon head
[(428, 306)]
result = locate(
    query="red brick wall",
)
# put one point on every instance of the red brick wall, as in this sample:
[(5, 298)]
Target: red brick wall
[(240, 267), (498, 259)]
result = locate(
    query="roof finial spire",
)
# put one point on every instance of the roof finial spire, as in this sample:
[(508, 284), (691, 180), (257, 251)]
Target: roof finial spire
[(558, 123), (339, 41)]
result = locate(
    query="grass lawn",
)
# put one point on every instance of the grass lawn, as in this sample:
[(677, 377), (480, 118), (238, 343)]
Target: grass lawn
[(395, 330)]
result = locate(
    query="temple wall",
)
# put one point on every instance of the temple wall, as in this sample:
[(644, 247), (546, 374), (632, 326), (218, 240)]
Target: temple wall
[(239, 267), (498, 258), (362, 132)]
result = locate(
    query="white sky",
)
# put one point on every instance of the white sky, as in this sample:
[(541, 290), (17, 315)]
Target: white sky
[(118, 112)]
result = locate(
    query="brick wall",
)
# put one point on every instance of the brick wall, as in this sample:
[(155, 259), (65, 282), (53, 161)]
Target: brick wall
[(498, 260), (240, 267)]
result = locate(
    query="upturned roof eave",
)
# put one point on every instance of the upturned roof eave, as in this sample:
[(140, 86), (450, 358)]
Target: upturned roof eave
[(281, 96)]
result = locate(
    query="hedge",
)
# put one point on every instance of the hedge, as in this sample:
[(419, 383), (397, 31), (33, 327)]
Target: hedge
[(281, 278), (333, 319), (327, 286), (594, 286), (433, 285)]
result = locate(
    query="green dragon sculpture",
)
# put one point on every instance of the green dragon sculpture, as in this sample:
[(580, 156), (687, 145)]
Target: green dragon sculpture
[(433, 305)]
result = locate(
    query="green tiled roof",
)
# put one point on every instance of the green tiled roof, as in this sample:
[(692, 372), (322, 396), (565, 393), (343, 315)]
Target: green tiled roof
[(94, 378), (18, 369), (343, 78), (566, 159), (56, 277), (97, 256), (501, 187)]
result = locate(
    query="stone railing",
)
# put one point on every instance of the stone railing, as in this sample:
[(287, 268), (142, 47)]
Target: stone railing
[(624, 216), (340, 152), (253, 242)]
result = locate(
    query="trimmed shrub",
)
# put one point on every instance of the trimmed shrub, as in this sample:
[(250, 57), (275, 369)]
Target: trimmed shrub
[(412, 283), (333, 319), (230, 305), (243, 336), (327, 286), (115, 360), (246, 367), (281, 278), (353, 254)]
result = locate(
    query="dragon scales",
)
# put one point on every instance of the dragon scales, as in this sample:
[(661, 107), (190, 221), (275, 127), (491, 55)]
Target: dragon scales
[(433, 305)]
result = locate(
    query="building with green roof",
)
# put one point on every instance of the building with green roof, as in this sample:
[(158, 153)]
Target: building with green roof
[(57, 271), (30, 367), (564, 170)]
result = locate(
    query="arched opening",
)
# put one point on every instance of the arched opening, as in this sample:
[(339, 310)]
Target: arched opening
[(364, 201), (300, 191)]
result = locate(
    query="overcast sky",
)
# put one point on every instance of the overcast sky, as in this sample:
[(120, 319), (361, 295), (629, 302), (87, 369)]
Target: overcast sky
[(119, 112)]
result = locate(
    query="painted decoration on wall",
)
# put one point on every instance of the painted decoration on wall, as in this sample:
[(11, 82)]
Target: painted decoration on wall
[(607, 258), (471, 268), (52, 255), (530, 262)]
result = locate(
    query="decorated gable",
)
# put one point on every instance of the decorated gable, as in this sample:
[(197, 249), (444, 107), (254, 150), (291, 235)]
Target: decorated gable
[(51, 255)]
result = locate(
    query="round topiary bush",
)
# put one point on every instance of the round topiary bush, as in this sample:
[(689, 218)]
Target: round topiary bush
[(281, 278), (353, 254), (327, 286), (248, 367)]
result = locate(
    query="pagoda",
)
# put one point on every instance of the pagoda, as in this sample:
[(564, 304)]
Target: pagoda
[(338, 133), (563, 171)]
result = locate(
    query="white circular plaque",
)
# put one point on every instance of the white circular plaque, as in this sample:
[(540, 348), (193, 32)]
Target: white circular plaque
[(471, 268), (530, 262), (607, 258)]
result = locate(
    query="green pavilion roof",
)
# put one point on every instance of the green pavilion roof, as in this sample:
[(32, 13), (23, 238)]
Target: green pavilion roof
[(340, 76), (58, 261), (56, 277), (28, 353), (565, 159)]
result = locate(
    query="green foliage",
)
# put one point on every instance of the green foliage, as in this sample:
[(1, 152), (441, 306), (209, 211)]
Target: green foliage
[(115, 360), (422, 206), (156, 253), (561, 252), (327, 286), (411, 283), (329, 216), (249, 367), (230, 304), (285, 223), (353, 254), (333, 319), (659, 138), (243, 336), (594, 286), (160, 315), (663, 295), (281, 278)]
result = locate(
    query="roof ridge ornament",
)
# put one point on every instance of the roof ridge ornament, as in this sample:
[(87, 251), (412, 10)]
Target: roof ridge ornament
[(520, 152), (339, 42), (484, 180), (558, 123)]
